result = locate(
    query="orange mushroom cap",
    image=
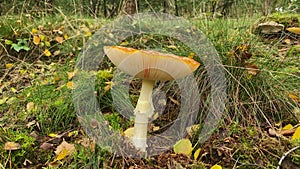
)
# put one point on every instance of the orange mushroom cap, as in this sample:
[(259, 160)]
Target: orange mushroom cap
[(151, 65)]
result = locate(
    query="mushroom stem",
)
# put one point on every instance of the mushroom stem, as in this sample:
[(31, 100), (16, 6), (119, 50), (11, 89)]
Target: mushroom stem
[(144, 109)]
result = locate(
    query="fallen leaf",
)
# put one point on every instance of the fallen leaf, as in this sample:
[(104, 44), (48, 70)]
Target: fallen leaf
[(252, 69), (197, 153), (191, 55), (59, 39), (70, 85), (88, 143), (57, 52), (30, 106), (9, 65), (288, 127), (295, 30), (66, 36), (129, 132), (192, 129), (47, 43), (8, 42), (34, 31), (30, 123), (71, 75), (63, 150), (36, 40), (46, 146), (53, 135), (287, 41), (296, 135), (42, 37), (183, 146), (47, 52), (216, 166), (11, 146), (294, 97)]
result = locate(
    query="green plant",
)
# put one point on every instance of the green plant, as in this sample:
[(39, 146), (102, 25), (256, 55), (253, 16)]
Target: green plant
[(21, 44)]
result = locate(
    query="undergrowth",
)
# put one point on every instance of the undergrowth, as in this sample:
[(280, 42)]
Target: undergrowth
[(36, 87)]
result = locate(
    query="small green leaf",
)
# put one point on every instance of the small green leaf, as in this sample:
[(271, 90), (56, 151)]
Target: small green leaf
[(16, 47), (25, 48), (8, 42), (183, 146)]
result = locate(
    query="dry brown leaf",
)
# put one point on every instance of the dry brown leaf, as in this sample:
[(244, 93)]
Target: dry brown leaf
[(11, 146), (30, 106), (59, 39), (63, 150), (30, 123), (46, 146), (88, 143)]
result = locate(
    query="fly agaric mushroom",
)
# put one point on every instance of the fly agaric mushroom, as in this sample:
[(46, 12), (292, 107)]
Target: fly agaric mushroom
[(149, 66)]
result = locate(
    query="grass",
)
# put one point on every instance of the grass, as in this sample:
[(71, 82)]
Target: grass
[(36, 101)]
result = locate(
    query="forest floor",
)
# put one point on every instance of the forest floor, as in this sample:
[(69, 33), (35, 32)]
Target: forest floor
[(39, 127)]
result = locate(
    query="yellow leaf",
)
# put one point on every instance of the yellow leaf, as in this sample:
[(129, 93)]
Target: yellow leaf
[(216, 166), (22, 71), (129, 132), (183, 146), (295, 30), (53, 135), (62, 155), (124, 43), (42, 37), (88, 33), (59, 39), (287, 41), (70, 85), (191, 55), (9, 65), (296, 135), (47, 43), (34, 31), (47, 52), (13, 89), (294, 97), (66, 36), (36, 40), (287, 127), (196, 154), (63, 150)]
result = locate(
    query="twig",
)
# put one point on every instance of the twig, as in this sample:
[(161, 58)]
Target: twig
[(284, 156)]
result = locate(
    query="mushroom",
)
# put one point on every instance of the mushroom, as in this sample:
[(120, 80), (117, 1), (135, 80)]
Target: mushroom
[(270, 27), (149, 66)]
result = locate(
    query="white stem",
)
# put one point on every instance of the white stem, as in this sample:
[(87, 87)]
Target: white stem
[(144, 109)]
